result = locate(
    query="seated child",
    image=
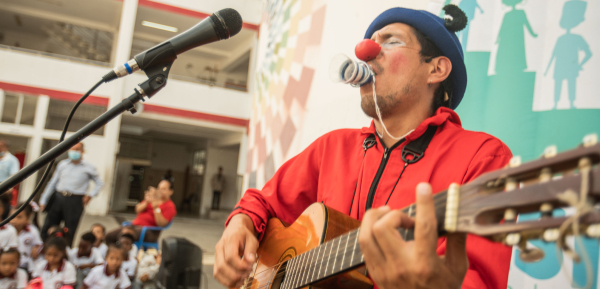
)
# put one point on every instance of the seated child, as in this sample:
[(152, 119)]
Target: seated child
[(30, 242), (100, 231), (11, 276), (110, 275), (130, 262), (55, 271), (85, 256), (8, 234), (147, 270)]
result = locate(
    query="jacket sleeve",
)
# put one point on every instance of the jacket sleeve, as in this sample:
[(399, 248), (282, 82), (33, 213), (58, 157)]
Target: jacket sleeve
[(285, 196), (489, 262)]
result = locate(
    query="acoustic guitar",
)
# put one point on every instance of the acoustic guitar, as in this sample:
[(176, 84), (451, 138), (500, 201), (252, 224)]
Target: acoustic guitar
[(320, 250)]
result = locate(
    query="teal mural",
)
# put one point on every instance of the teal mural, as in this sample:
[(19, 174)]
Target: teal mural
[(532, 83), (566, 51)]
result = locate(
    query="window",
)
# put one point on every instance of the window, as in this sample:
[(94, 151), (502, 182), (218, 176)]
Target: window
[(19, 108), (58, 110)]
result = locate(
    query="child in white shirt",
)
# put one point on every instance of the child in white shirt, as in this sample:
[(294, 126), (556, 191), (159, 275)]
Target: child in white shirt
[(109, 275), (11, 276), (8, 234), (130, 262), (29, 239), (85, 256), (55, 271), (99, 231)]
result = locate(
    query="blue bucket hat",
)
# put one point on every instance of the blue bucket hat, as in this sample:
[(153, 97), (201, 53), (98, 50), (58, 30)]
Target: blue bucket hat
[(440, 31)]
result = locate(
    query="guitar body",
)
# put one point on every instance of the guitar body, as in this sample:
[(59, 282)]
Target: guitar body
[(317, 224)]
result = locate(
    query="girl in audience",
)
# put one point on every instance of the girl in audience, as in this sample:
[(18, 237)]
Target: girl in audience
[(55, 271), (8, 234), (11, 276), (99, 231), (29, 239), (111, 275)]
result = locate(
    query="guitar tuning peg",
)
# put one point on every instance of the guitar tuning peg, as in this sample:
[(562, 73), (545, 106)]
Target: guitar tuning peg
[(512, 239), (511, 184), (526, 254), (593, 231), (590, 140), (545, 175), (510, 216), (514, 162), (551, 235), (546, 210), (550, 151), (530, 254)]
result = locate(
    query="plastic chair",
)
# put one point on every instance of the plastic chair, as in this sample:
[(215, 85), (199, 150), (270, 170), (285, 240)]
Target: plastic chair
[(140, 242)]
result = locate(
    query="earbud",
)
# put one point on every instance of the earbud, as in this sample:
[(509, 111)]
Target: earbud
[(367, 50)]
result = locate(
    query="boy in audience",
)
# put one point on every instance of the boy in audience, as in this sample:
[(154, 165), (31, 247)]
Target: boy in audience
[(29, 238), (130, 262), (99, 231), (85, 256), (111, 275)]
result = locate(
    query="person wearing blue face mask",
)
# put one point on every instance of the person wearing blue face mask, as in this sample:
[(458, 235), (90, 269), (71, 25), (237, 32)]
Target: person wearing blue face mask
[(66, 194)]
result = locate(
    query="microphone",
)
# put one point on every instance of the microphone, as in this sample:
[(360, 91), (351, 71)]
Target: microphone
[(348, 71), (220, 25)]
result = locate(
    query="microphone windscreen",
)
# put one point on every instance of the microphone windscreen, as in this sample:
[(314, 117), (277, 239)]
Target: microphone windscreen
[(228, 23)]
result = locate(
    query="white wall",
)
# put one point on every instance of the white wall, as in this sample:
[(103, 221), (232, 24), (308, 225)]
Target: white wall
[(228, 159)]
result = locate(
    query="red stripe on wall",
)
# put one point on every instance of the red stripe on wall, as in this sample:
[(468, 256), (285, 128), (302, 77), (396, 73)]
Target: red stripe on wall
[(103, 101), (196, 115), (56, 94), (186, 12)]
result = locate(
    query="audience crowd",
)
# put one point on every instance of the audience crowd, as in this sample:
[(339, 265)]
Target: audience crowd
[(27, 261)]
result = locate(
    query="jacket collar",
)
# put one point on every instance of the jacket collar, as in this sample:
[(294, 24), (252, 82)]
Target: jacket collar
[(13, 276), (62, 266), (441, 115), (79, 255), (106, 271)]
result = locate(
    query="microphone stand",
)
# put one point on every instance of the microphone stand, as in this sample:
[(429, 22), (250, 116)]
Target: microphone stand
[(157, 79)]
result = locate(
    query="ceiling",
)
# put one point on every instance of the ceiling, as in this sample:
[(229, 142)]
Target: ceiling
[(31, 15), (171, 131)]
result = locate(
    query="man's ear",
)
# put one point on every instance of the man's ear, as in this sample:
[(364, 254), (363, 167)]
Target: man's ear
[(440, 69)]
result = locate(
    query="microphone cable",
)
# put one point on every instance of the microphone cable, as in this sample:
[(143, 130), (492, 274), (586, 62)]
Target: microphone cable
[(45, 175)]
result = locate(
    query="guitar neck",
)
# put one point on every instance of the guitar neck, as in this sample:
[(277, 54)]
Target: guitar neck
[(343, 253)]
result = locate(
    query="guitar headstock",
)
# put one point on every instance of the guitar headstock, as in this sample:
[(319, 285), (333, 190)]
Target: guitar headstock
[(490, 205)]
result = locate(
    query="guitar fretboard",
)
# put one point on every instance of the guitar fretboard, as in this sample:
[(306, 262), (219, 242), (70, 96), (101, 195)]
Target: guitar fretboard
[(341, 253)]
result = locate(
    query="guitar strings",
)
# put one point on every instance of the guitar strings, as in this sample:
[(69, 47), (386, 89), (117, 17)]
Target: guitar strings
[(441, 200)]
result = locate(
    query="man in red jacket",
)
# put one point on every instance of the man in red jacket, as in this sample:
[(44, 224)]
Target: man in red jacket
[(420, 79)]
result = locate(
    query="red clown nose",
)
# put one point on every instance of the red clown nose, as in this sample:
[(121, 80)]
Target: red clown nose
[(367, 50)]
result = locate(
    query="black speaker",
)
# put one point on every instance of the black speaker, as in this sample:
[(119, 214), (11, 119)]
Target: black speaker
[(181, 266)]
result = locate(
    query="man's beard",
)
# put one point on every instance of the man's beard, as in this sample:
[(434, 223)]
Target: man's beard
[(387, 103)]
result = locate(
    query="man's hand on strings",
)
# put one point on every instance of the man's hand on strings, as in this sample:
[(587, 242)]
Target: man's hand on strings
[(235, 252), (395, 263)]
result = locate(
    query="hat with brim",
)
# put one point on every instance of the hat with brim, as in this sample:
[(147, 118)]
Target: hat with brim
[(435, 29)]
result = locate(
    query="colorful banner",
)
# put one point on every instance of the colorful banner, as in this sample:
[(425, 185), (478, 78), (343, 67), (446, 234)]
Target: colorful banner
[(532, 83)]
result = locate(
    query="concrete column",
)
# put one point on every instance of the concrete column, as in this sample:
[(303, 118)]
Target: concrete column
[(1, 102), (100, 204), (241, 168), (34, 146)]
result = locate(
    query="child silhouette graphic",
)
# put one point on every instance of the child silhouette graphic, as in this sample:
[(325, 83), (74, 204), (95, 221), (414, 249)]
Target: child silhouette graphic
[(511, 40), (566, 51)]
